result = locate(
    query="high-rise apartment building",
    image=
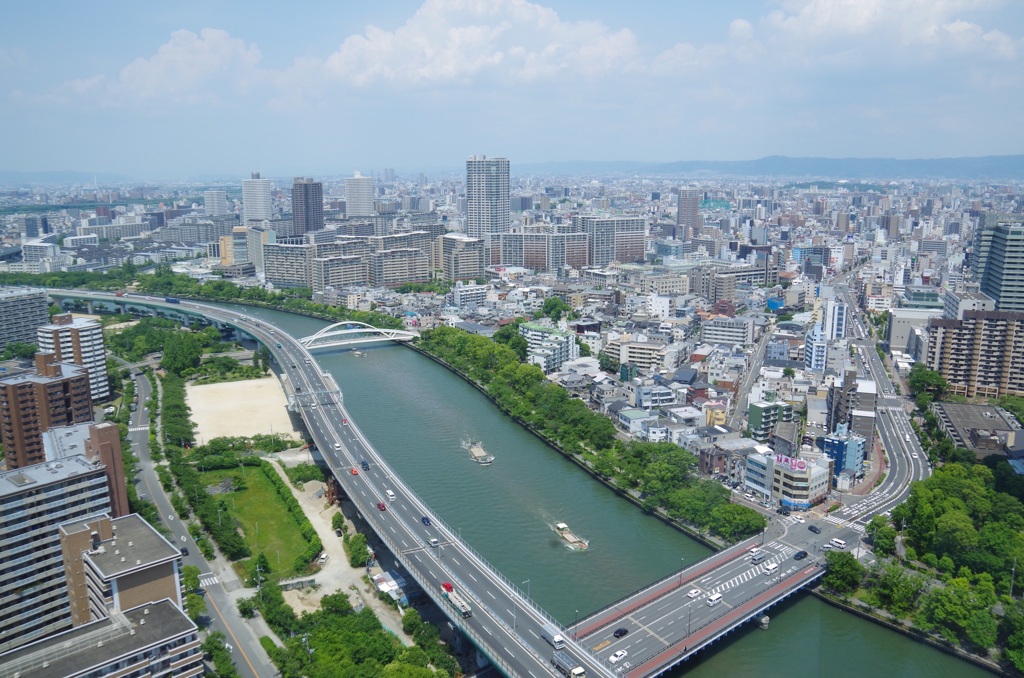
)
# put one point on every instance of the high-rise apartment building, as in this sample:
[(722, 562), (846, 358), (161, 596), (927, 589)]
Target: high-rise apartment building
[(307, 206), (611, 239), (359, 196), (853, 402), (688, 219), (22, 312), (487, 199), (215, 202), (78, 341), (462, 257), (57, 394), (542, 252), (34, 502), (835, 319), (981, 355), (257, 199)]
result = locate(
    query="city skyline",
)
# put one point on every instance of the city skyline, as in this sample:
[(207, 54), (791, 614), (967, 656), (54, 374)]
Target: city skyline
[(213, 90)]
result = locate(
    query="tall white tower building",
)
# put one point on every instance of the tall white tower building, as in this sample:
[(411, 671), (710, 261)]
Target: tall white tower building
[(215, 203), (487, 199), (359, 196), (257, 203)]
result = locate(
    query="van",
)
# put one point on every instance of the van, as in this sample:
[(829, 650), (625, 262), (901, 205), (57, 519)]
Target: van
[(770, 568), (757, 558), (323, 558), (837, 543), (390, 495), (713, 599)]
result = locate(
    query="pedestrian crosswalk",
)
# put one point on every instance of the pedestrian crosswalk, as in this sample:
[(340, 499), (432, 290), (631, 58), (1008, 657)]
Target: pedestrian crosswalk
[(208, 580), (137, 429), (836, 520)]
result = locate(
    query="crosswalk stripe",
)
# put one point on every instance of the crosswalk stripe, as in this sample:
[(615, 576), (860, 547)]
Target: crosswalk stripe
[(208, 581)]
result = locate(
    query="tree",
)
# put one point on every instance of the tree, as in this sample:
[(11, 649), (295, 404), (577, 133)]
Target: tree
[(585, 351), (845, 572), (554, 308), (190, 578), (411, 621), (788, 372), (923, 380), (195, 606)]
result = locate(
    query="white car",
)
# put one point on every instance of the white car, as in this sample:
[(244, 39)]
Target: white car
[(755, 550), (798, 519), (694, 593), (913, 455), (617, 656)]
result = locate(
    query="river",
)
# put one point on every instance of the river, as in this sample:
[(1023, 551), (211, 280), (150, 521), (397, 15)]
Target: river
[(416, 413)]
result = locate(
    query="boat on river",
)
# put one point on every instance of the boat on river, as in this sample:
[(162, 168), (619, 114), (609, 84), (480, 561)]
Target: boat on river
[(477, 452), (574, 542)]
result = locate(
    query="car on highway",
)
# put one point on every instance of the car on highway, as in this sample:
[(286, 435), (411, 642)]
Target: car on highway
[(814, 528), (913, 455), (337, 446), (754, 550), (800, 555), (693, 593), (426, 521), (354, 471), (381, 506), (617, 656), (619, 632), (344, 422)]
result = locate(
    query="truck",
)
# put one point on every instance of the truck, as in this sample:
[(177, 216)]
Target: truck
[(567, 666), (455, 600), (550, 633), (172, 300)]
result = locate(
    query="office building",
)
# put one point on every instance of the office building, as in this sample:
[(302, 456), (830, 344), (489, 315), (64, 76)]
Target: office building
[(981, 355), (763, 416), (307, 205), (487, 200), (215, 203), (22, 312), (56, 394), (359, 196), (728, 331), (847, 451), (800, 483), (815, 349), (835, 319), (688, 221), (257, 199), (462, 257), (78, 341)]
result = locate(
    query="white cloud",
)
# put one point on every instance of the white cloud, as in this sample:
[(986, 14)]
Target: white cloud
[(463, 42), (188, 68)]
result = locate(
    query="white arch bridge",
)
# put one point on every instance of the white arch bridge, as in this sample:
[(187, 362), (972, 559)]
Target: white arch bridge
[(350, 332)]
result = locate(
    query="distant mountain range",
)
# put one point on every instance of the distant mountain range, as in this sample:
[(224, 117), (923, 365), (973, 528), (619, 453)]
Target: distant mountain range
[(991, 167)]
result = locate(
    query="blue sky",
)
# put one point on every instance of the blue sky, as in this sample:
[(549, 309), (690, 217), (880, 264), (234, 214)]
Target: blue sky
[(191, 89)]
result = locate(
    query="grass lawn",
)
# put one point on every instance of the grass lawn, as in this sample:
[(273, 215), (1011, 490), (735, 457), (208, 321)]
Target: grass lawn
[(265, 521)]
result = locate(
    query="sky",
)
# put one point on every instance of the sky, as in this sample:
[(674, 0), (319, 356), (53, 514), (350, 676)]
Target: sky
[(185, 90)]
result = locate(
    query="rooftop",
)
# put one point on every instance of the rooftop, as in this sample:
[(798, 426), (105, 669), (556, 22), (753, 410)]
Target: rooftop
[(48, 473), (136, 545), (97, 643)]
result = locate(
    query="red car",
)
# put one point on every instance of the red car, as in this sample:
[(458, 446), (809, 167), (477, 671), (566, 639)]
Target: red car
[(355, 472), (344, 422), (382, 506)]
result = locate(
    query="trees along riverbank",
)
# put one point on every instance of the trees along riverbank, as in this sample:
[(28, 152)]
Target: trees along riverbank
[(661, 475)]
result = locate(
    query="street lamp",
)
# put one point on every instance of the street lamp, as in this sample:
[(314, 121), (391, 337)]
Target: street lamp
[(576, 630), (527, 582), (682, 561)]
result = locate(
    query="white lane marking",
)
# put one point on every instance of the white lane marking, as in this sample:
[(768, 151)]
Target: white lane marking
[(491, 595)]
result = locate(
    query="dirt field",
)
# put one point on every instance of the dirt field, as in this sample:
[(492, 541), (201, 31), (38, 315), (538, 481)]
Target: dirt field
[(240, 408)]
